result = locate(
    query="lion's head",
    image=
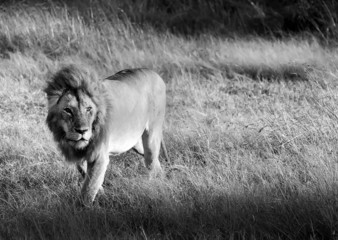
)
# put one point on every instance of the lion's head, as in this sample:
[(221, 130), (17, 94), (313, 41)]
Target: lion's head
[(76, 110)]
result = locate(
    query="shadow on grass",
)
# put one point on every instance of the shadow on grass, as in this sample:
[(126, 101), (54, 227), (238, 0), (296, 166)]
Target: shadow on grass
[(187, 213)]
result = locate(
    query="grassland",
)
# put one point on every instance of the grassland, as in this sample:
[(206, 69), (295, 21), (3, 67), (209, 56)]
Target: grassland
[(253, 122)]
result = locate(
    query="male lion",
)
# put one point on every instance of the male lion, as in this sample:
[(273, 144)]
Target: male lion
[(91, 119)]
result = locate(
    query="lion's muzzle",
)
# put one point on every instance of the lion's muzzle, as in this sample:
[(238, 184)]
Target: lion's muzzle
[(79, 139), (81, 130)]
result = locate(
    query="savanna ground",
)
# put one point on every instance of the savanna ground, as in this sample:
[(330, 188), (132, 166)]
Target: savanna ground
[(251, 122)]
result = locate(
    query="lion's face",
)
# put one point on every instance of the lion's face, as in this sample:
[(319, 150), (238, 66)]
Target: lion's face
[(76, 113)]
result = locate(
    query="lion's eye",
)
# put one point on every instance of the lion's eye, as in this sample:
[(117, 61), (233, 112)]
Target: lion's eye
[(89, 109), (68, 111)]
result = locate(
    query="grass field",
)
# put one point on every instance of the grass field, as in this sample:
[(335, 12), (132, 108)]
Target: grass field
[(252, 123)]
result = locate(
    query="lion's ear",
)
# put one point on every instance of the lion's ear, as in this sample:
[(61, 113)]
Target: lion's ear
[(59, 82), (52, 100), (53, 94)]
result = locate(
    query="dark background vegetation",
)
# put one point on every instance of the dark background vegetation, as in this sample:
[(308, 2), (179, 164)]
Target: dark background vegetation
[(222, 17)]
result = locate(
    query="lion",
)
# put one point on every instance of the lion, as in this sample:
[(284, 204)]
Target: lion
[(92, 119)]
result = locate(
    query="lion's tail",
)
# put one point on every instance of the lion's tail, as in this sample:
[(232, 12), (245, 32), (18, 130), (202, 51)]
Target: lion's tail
[(179, 168), (165, 152)]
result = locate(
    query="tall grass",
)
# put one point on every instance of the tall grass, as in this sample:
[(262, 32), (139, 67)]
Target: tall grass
[(266, 17), (252, 123)]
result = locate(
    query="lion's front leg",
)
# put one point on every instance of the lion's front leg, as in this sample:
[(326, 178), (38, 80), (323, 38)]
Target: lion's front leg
[(94, 178), (82, 168)]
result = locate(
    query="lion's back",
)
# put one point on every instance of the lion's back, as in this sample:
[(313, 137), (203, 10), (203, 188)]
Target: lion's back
[(134, 82), (137, 77)]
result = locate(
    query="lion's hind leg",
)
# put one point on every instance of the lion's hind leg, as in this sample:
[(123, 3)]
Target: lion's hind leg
[(151, 145), (138, 148)]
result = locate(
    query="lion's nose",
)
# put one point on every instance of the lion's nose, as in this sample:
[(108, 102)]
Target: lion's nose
[(81, 130)]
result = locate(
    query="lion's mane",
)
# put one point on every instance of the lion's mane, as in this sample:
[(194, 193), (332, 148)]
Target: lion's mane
[(75, 78)]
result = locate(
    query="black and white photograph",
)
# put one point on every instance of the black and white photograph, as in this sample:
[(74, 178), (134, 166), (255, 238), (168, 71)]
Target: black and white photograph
[(169, 119)]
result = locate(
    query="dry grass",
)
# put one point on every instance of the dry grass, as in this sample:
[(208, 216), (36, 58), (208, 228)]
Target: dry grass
[(252, 121)]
